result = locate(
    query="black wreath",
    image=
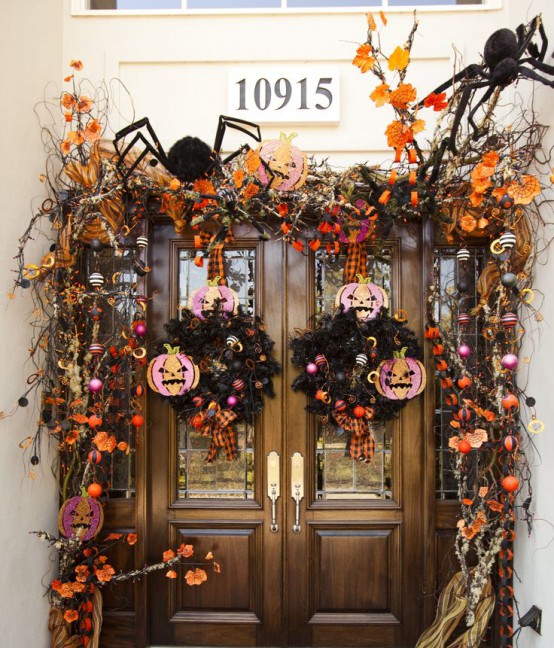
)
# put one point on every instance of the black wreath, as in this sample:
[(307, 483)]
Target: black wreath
[(222, 361), (340, 338)]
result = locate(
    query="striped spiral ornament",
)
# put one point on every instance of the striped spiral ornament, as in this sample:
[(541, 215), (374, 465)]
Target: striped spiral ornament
[(96, 280), (507, 240)]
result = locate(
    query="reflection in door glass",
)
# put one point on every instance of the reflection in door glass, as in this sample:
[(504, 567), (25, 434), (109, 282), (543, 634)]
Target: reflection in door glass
[(222, 479), (338, 477)]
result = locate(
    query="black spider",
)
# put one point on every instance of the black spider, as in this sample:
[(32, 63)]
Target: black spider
[(189, 158), (503, 64)]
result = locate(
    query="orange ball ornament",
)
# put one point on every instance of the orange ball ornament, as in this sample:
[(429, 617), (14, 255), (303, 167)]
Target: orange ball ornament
[(94, 421), (464, 446), (509, 402), (510, 483), (359, 411), (464, 381), (94, 489), (197, 421), (137, 420)]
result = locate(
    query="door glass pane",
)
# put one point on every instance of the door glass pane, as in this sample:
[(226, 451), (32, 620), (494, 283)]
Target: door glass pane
[(221, 479), (338, 476)]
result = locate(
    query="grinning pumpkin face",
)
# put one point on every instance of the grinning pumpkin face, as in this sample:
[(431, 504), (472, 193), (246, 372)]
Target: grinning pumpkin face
[(287, 164), (400, 378), (365, 299), (80, 518), (209, 298), (172, 373)]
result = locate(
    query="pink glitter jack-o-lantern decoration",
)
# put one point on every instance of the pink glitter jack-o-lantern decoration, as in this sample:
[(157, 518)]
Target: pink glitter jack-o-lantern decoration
[(364, 298), (212, 297), (287, 164), (172, 373), (400, 378), (81, 517)]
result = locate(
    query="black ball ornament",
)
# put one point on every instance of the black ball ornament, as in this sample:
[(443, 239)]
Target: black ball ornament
[(23, 402), (96, 245), (34, 460), (530, 401), (506, 202), (508, 280)]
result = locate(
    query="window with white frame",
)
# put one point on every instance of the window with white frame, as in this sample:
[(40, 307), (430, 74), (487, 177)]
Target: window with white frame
[(153, 5)]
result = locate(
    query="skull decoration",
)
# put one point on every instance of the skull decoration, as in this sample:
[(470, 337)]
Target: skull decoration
[(172, 373), (287, 163), (400, 378), (364, 298), (81, 518), (212, 296)]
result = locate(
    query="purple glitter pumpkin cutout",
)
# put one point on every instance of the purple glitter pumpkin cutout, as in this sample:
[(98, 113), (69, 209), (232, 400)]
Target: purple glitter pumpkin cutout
[(81, 518)]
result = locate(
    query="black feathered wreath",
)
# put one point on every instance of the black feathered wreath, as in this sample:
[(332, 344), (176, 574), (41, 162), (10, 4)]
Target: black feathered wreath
[(347, 354), (234, 356)]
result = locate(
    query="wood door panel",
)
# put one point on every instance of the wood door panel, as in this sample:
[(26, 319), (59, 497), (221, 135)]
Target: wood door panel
[(356, 570), (236, 548)]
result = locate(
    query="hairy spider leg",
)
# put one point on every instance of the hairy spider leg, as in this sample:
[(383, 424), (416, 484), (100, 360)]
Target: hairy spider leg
[(157, 153), (470, 72), (237, 124), (526, 41), (530, 74), (481, 101), (467, 93)]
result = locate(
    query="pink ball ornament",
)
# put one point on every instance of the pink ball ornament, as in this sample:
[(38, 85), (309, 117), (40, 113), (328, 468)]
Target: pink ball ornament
[(232, 401), (311, 368), (464, 351), (140, 329), (95, 385), (509, 361)]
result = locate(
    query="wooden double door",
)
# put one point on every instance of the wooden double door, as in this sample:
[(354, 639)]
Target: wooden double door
[(344, 565)]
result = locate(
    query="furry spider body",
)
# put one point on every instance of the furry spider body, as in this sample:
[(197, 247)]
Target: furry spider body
[(504, 62)]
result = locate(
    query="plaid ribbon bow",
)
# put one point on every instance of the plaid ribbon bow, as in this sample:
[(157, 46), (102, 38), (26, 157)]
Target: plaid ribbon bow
[(362, 444), (223, 435), (356, 262), (216, 267)]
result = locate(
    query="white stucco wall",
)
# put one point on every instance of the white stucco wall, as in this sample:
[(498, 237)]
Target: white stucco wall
[(30, 56), (175, 68)]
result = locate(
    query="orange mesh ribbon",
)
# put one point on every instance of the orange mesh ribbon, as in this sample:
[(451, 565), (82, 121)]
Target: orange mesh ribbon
[(362, 444), (223, 435), (356, 262)]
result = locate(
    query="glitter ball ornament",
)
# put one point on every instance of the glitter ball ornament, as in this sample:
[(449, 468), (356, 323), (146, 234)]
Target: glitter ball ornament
[(464, 351), (311, 368), (509, 361), (95, 385), (140, 329), (232, 401)]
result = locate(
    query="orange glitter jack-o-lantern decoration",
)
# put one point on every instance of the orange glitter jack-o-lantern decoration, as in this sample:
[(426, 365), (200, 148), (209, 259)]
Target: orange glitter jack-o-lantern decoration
[(284, 166)]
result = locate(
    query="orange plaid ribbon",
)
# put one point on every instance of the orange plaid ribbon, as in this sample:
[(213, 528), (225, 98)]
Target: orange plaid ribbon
[(216, 264), (356, 262), (223, 435), (362, 444)]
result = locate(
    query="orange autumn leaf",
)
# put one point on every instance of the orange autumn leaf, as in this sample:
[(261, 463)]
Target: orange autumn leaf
[(380, 95), (455, 424), (402, 96), (399, 59), (76, 64), (363, 60), (209, 556), (525, 191), (398, 134), (65, 147), (252, 161), (174, 184), (250, 191), (79, 418), (123, 446), (196, 577), (483, 491), (72, 437), (104, 442), (114, 536), (436, 101), (68, 117), (68, 78), (371, 22), (217, 568), (383, 17), (238, 178), (203, 186), (418, 126), (491, 159), (495, 506)]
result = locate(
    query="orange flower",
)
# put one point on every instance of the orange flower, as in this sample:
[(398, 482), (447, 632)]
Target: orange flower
[(467, 223), (132, 539), (525, 191), (76, 137), (168, 555), (398, 134), (93, 130), (399, 59), (123, 446), (171, 573), (477, 437), (82, 572), (84, 104), (68, 117), (363, 60), (66, 590), (371, 22), (491, 159), (196, 577), (56, 585), (68, 101), (105, 574), (437, 101), (380, 95), (250, 191), (238, 178), (104, 442), (186, 551), (76, 64), (71, 615), (402, 96)]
